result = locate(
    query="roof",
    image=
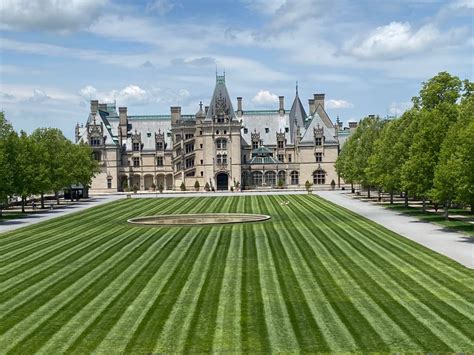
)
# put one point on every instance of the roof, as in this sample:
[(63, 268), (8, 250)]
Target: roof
[(315, 121), (297, 115), (220, 102), (264, 160)]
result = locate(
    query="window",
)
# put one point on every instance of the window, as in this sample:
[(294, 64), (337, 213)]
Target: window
[(289, 158), (246, 131), (221, 144), (178, 166), (159, 161), (95, 141), (225, 132), (287, 129), (97, 156), (168, 134), (245, 159), (202, 173), (136, 162), (281, 157), (270, 178), (188, 136), (200, 133), (177, 138), (282, 177), (294, 175), (109, 183), (136, 147), (319, 157), (267, 130), (221, 159), (189, 148), (189, 163), (318, 141), (159, 145), (202, 161), (280, 144), (200, 145), (257, 178), (319, 177), (148, 134), (254, 144)]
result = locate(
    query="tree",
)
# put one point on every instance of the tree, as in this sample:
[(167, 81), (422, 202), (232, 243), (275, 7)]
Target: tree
[(442, 88), (307, 185), (196, 185), (454, 173), (82, 167), (8, 141), (24, 168), (183, 186)]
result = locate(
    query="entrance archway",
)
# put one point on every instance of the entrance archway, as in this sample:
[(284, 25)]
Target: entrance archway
[(222, 181)]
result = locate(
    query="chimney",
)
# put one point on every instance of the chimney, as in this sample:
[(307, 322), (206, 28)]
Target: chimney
[(372, 116), (318, 100), (123, 122), (352, 126), (94, 106), (281, 110), (311, 106), (175, 114), (103, 107), (206, 108), (239, 106)]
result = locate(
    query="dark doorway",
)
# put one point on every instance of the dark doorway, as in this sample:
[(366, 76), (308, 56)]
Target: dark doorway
[(222, 181)]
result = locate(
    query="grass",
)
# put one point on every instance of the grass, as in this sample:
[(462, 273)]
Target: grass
[(453, 224), (314, 278)]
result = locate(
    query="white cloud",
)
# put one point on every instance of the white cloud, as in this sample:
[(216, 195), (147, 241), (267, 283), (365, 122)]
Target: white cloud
[(398, 39), (130, 95), (330, 104), (160, 6), (50, 15), (265, 97)]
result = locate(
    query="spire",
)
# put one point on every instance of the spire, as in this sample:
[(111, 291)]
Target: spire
[(296, 88), (221, 104)]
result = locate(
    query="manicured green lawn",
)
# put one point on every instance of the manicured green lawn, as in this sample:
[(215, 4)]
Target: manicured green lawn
[(313, 278)]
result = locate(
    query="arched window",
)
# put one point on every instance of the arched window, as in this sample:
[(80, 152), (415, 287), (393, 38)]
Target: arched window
[(319, 177), (270, 178), (295, 178), (257, 178), (221, 143), (282, 176)]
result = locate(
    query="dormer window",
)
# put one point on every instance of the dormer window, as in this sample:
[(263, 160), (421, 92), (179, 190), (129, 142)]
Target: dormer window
[(267, 130), (136, 147), (254, 144), (95, 141), (318, 141)]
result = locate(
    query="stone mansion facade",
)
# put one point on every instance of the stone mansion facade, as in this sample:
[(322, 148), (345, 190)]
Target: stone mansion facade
[(217, 145)]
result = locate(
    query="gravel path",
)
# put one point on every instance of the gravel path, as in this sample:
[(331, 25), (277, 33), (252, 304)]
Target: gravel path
[(61, 210), (456, 246)]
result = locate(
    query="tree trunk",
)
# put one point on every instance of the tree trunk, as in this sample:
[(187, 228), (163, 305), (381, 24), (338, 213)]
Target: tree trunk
[(406, 199), (352, 188), (22, 204), (42, 200), (424, 204), (446, 210), (57, 197), (379, 195), (368, 192), (472, 208), (391, 197)]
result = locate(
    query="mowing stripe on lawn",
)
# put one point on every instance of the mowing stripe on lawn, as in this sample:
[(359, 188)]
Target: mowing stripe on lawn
[(254, 334), (402, 314), (122, 331), (446, 311), (151, 325)]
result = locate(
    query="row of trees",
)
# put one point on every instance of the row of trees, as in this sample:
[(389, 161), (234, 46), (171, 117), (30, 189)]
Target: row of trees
[(41, 163), (427, 153)]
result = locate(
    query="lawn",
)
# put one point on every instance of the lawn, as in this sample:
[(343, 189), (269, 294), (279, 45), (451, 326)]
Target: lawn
[(313, 278)]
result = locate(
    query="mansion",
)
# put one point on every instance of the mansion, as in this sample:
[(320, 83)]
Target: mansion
[(217, 145)]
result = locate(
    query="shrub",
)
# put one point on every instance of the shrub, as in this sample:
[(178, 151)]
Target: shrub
[(333, 184), (197, 185), (153, 186), (183, 186), (135, 188), (307, 185), (280, 184), (160, 187), (207, 187)]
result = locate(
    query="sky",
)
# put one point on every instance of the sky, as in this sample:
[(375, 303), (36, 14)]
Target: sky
[(368, 57)]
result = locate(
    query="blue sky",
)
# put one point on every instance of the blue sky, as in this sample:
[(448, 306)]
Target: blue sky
[(368, 57)]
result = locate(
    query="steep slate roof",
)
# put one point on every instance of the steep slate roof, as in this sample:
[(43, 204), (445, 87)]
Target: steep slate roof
[(297, 115), (260, 120), (316, 121), (220, 96)]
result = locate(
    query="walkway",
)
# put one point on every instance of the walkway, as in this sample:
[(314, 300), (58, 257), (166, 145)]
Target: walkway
[(456, 246), (61, 210)]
